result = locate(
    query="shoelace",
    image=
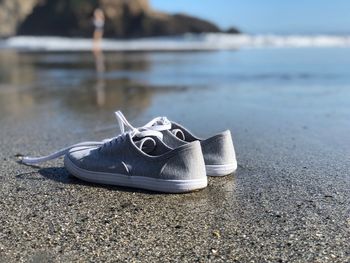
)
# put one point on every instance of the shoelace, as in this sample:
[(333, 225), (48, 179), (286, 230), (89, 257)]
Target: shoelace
[(157, 124), (59, 153), (134, 132)]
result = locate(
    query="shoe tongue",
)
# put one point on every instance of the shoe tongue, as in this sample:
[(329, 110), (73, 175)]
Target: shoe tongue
[(146, 144), (179, 134)]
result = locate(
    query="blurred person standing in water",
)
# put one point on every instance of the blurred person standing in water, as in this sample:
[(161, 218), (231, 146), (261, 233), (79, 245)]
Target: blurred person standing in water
[(99, 22)]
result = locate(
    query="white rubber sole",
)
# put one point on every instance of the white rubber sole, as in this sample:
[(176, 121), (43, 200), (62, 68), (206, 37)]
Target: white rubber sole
[(221, 170), (154, 184)]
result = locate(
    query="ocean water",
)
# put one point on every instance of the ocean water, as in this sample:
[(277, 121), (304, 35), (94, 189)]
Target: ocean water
[(301, 89), (211, 41)]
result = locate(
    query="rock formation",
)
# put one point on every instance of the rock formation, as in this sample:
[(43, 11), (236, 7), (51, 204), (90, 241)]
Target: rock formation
[(12, 14), (124, 18)]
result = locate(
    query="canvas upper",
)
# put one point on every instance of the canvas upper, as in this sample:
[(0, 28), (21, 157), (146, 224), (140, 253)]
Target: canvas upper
[(125, 155)]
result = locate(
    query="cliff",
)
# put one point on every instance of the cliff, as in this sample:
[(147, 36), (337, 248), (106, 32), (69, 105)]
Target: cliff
[(124, 18), (13, 13)]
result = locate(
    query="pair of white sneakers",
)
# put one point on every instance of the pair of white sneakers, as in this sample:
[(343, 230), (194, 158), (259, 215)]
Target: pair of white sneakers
[(159, 156)]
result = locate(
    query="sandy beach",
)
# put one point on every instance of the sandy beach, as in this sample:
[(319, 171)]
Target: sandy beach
[(287, 202)]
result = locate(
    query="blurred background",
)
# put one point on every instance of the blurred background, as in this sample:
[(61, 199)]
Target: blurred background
[(256, 67)]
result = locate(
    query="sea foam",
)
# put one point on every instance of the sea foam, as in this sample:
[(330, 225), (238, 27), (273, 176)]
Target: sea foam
[(187, 42)]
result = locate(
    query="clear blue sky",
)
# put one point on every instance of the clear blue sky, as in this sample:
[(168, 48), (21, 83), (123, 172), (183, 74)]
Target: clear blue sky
[(268, 16)]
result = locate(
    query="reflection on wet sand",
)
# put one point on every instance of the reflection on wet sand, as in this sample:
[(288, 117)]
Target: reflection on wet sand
[(109, 94), (16, 77), (100, 82), (79, 82)]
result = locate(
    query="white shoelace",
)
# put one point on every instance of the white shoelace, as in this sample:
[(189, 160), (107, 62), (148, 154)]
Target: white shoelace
[(59, 153), (157, 124), (144, 131)]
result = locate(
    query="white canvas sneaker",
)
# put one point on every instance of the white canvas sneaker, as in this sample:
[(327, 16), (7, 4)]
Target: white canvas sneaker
[(218, 150)]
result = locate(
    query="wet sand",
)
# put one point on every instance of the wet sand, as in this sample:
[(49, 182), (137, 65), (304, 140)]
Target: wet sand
[(287, 202)]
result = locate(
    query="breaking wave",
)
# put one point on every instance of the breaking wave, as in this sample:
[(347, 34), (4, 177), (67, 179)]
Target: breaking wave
[(187, 42)]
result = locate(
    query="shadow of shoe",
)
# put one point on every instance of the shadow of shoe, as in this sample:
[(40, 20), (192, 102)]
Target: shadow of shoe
[(61, 175)]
